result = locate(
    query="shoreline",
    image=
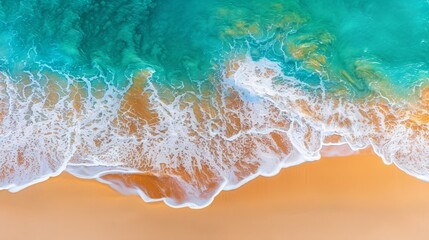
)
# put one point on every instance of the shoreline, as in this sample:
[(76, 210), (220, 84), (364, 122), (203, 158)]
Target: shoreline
[(326, 199)]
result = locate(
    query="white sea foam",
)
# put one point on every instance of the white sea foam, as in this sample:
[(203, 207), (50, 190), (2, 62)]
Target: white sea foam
[(256, 126)]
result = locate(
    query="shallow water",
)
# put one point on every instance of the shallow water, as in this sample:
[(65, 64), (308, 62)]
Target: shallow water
[(178, 100)]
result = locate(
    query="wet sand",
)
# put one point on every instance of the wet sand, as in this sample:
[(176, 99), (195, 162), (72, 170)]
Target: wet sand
[(355, 197)]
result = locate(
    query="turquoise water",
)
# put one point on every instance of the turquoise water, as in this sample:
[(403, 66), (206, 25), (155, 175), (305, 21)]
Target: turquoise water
[(184, 40), (252, 86)]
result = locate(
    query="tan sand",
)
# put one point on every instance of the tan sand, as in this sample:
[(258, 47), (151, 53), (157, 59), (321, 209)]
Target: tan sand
[(355, 197)]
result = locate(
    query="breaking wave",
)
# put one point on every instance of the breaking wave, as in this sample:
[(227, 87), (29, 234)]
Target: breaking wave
[(185, 148)]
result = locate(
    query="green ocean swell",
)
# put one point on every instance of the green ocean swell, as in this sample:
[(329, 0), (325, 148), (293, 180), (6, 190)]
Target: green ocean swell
[(348, 46)]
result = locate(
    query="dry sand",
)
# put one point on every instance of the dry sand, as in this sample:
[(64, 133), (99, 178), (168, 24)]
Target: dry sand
[(355, 197)]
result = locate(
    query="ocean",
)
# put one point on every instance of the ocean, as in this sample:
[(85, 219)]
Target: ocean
[(178, 100)]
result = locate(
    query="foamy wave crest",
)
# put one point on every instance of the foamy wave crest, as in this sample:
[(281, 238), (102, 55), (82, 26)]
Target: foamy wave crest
[(184, 149)]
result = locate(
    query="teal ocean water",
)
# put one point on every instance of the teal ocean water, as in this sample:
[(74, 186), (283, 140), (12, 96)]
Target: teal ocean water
[(177, 100)]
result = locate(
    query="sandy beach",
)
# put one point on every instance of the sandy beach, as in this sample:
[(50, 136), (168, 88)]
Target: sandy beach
[(354, 197)]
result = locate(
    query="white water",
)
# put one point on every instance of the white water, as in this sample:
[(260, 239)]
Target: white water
[(37, 142)]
